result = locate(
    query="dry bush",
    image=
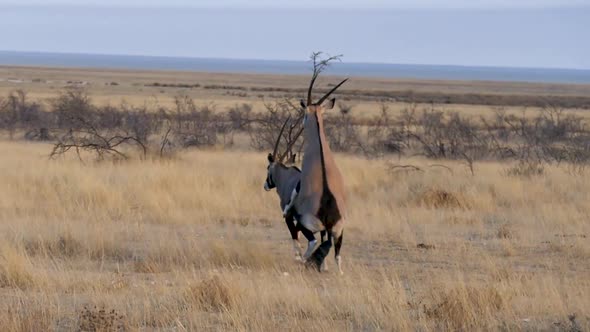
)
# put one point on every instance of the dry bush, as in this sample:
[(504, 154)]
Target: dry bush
[(467, 308), (214, 294), (17, 112), (437, 199), (65, 245), (15, 269), (525, 169), (263, 128)]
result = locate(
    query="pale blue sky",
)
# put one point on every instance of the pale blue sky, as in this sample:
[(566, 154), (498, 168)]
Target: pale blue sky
[(525, 33)]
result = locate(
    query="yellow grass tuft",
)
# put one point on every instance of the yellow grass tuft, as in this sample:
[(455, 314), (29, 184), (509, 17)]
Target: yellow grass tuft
[(467, 308), (437, 198), (15, 269), (213, 294)]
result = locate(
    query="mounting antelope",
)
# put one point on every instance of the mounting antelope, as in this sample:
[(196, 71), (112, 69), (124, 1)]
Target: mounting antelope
[(286, 180), (321, 198)]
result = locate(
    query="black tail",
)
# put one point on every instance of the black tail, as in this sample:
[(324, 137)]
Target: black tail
[(328, 212)]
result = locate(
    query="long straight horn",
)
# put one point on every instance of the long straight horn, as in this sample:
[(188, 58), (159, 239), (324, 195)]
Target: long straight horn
[(313, 78), (330, 92), (290, 145), (274, 152)]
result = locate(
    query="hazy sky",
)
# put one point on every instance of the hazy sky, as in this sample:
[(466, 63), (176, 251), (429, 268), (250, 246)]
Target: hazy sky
[(525, 33)]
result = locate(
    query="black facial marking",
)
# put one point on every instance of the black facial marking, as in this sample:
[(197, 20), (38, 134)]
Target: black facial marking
[(269, 182)]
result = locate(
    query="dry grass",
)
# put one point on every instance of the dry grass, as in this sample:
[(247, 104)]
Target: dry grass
[(194, 243)]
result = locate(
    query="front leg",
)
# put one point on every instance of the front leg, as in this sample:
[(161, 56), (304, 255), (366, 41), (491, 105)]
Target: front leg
[(289, 220), (291, 202)]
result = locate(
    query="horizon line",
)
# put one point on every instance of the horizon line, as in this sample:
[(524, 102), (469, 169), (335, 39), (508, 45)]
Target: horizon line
[(479, 66)]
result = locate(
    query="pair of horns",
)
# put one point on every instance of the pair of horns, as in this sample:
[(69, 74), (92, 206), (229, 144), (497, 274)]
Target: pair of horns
[(289, 145), (309, 100)]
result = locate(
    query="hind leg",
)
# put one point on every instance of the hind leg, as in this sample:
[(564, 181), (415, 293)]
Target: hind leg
[(323, 235), (318, 257), (311, 241), (337, 247), (324, 266)]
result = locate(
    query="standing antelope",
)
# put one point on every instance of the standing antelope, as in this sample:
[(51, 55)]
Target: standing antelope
[(321, 199), (287, 182)]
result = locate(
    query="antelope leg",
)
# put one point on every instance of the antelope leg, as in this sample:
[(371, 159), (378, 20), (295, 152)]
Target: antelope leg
[(293, 229), (291, 202), (311, 241)]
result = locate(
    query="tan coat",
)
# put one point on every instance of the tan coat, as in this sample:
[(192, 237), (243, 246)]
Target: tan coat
[(312, 180)]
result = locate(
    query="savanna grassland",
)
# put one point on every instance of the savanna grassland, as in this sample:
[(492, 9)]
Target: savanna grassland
[(192, 242)]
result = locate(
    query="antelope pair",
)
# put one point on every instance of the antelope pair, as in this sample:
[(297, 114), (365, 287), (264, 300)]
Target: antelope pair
[(317, 199), (287, 182)]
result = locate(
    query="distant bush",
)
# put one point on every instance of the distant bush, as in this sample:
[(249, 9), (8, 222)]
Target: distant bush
[(550, 136)]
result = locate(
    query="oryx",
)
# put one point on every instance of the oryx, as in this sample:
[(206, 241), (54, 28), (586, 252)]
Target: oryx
[(321, 199), (286, 179)]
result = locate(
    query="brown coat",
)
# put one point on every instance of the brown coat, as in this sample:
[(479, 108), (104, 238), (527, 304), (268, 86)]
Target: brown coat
[(312, 181)]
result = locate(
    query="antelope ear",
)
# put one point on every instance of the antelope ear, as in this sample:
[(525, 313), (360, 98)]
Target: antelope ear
[(328, 105), (271, 158), (302, 103), (292, 161)]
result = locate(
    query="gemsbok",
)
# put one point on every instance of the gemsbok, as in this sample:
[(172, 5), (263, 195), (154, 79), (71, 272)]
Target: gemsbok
[(321, 198), (286, 180)]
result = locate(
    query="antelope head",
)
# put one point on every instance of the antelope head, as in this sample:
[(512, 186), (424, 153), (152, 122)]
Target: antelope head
[(275, 159), (316, 109)]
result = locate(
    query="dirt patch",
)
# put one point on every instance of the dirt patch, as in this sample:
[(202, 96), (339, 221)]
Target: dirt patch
[(101, 319), (504, 232), (425, 246), (441, 199)]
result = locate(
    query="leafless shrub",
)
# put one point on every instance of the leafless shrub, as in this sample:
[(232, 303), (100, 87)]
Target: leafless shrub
[(17, 112), (87, 137), (263, 128), (525, 169), (240, 116), (342, 132), (194, 126), (552, 136), (41, 134), (71, 105)]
